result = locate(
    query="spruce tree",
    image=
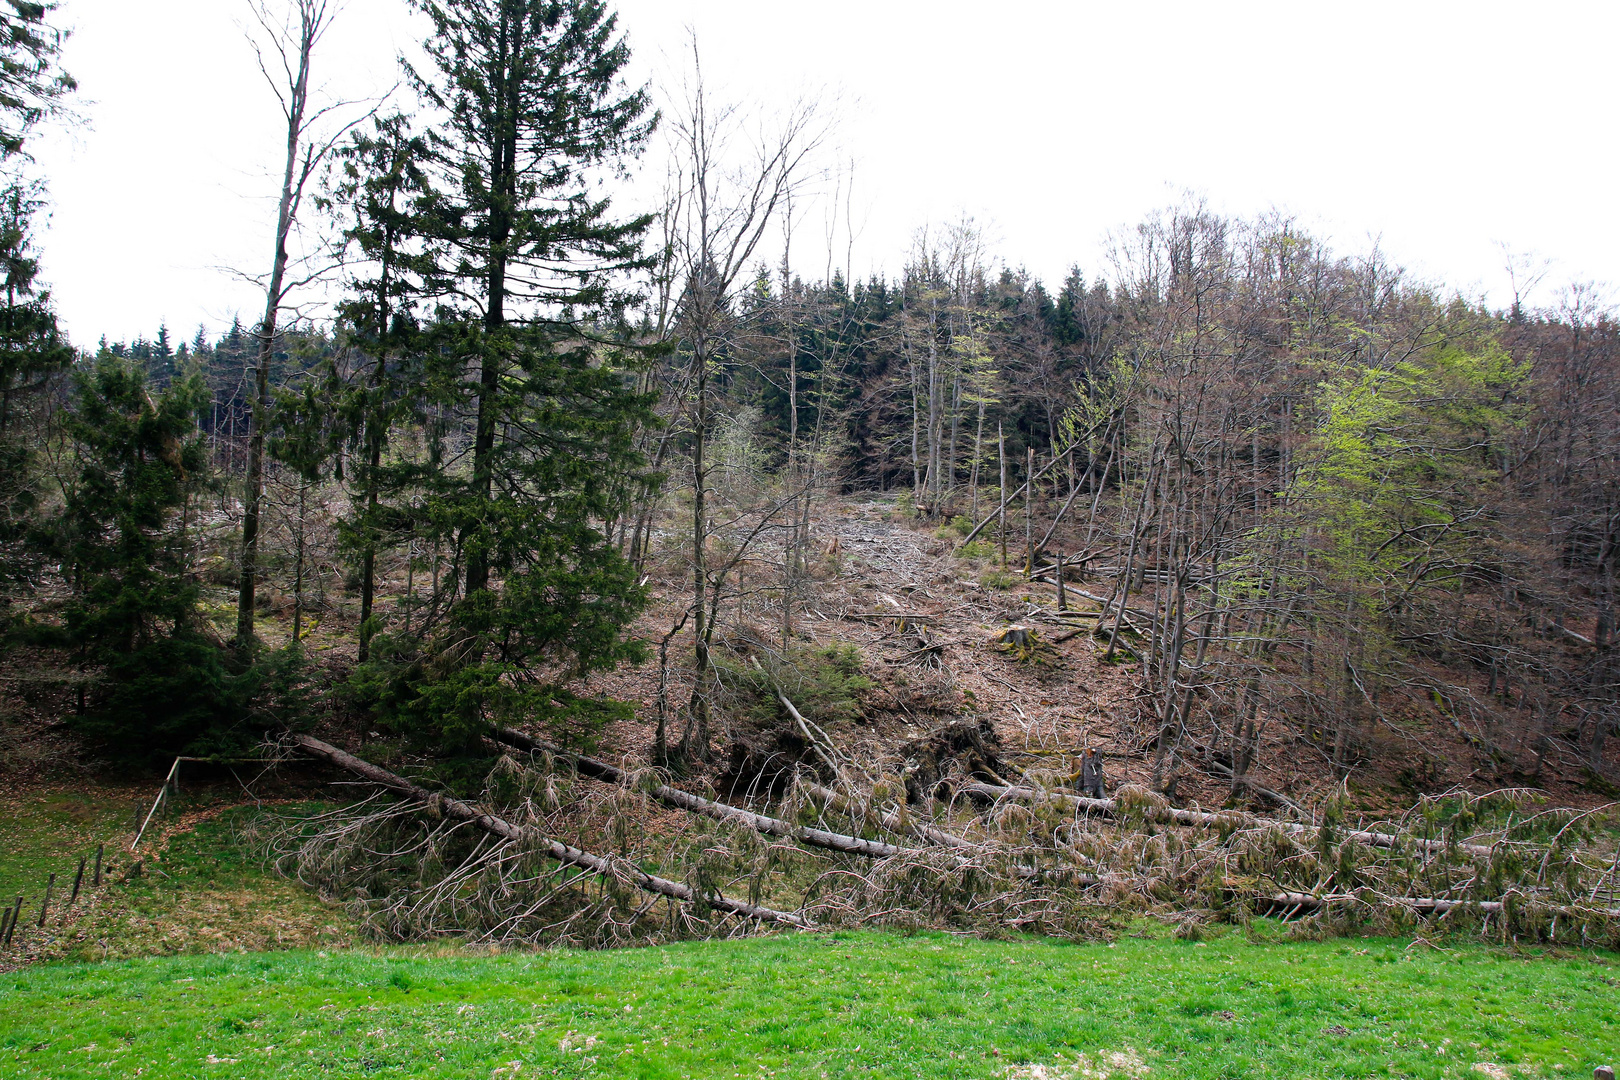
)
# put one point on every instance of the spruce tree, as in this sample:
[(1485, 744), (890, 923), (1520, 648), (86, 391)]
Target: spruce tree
[(31, 85), (538, 454), (383, 195), (122, 544), (32, 351)]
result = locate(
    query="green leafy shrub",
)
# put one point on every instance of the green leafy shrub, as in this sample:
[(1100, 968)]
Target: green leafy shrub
[(979, 549)]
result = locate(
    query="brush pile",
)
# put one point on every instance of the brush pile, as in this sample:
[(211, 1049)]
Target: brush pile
[(561, 848)]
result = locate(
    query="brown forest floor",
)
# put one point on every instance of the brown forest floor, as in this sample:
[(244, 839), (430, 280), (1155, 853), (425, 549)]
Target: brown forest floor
[(871, 559)]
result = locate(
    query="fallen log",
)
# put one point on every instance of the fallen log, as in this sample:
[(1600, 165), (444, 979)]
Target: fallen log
[(1108, 602), (903, 616), (1290, 901), (892, 821), (685, 800), (1204, 819), (563, 853)]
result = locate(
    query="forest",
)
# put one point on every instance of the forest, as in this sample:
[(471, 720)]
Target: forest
[(1232, 575)]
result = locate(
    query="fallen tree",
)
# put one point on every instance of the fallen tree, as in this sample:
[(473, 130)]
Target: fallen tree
[(1206, 820), (455, 809), (891, 820), (1298, 902), (684, 800), (952, 881)]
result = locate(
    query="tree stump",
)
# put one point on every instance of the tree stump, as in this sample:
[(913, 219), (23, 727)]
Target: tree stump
[(1018, 637), (1091, 775)]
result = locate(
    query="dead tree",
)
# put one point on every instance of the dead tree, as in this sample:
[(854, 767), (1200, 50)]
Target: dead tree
[(290, 43)]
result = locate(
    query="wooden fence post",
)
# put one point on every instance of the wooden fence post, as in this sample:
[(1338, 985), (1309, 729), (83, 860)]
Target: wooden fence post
[(78, 879), (5, 924), (16, 917), (95, 881), (45, 904)]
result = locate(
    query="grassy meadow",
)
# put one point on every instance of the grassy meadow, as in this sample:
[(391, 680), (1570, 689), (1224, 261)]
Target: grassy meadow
[(827, 1006)]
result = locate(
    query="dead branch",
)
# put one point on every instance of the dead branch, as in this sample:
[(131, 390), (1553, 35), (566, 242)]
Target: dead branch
[(684, 800), (563, 853), (1206, 820), (892, 821)]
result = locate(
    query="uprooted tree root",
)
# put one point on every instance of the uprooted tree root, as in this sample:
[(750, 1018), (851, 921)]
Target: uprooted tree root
[(1034, 862)]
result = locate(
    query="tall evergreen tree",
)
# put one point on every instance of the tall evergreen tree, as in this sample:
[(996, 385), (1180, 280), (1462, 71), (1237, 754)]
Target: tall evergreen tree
[(383, 194), (534, 106), (31, 84), (32, 350), (122, 543)]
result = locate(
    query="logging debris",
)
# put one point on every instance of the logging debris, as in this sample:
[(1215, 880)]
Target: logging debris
[(448, 807), (675, 798), (1204, 819), (959, 749)]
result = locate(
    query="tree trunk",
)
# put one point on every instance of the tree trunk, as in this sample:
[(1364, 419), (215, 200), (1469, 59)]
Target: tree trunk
[(292, 180)]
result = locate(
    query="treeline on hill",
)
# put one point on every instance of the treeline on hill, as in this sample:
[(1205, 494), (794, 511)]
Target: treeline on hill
[(1313, 493)]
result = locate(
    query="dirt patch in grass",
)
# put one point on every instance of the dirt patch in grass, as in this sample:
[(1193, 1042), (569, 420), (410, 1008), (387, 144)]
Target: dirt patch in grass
[(1125, 1064)]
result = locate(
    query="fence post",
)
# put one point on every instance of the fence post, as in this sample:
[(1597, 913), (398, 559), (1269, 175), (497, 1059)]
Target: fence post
[(78, 879), (44, 905), (172, 778), (95, 881), (5, 924), (16, 917)]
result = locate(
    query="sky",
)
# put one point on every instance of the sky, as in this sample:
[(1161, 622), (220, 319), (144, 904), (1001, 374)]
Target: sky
[(1451, 135)]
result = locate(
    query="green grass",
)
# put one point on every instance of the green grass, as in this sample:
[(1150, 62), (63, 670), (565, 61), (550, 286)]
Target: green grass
[(204, 886), (831, 1005), (47, 832)]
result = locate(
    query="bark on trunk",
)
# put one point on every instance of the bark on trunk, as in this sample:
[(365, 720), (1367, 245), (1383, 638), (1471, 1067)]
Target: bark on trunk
[(275, 292)]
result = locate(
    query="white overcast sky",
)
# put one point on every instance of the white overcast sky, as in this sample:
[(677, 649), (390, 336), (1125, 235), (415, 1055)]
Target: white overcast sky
[(1439, 130)]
